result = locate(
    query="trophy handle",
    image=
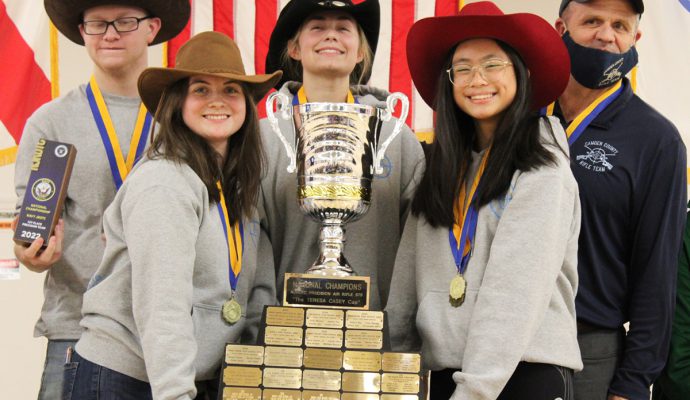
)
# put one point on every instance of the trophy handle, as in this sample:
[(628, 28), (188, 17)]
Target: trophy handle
[(283, 109), (391, 102)]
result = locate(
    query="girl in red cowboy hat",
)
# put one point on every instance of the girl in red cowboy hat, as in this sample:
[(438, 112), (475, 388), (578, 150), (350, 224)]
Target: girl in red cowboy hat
[(326, 50), (486, 272), (180, 277)]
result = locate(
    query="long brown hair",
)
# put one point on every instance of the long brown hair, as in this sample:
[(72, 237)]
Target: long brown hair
[(240, 173)]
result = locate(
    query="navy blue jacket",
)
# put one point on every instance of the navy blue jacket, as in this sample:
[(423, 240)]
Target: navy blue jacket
[(630, 164)]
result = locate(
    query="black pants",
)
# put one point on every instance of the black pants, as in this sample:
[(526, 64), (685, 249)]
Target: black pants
[(530, 381)]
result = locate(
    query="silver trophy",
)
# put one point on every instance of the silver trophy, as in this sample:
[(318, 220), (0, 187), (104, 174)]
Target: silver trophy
[(336, 153)]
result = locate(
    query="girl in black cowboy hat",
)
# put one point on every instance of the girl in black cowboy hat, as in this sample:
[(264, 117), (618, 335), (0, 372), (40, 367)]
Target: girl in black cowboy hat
[(486, 274), (326, 49), (180, 269)]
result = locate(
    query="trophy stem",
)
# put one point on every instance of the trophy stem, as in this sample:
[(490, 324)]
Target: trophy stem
[(331, 261)]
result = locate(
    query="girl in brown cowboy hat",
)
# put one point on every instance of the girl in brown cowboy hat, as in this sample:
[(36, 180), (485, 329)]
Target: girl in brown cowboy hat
[(180, 268), (486, 274), (326, 49)]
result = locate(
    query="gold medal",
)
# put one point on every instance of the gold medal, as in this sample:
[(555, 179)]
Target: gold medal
[(458, 286), (232, 311)]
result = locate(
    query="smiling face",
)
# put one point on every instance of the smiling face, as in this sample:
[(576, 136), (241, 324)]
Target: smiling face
[(215, 109), (485, 100), (117, 52), (327, 44)]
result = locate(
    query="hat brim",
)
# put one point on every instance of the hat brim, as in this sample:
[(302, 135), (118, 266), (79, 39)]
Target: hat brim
[(67, 15), (541, 48), (153, 81), (367, 14)]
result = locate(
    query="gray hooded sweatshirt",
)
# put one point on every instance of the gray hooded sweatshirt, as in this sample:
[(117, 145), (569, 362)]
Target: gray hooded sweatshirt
[(521, 282)]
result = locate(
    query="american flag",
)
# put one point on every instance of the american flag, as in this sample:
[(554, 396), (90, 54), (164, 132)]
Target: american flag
[(251, 23)]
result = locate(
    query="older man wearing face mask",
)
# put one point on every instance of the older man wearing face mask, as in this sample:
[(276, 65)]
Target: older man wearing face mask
[(630, 164)]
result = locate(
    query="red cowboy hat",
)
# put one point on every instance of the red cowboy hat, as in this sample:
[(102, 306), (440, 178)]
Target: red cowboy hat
[(541, 48)]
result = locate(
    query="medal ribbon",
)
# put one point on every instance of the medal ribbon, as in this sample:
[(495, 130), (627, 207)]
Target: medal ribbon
[(236, 245), (466, 215), (118, 166), (582, 121), (301, 97)]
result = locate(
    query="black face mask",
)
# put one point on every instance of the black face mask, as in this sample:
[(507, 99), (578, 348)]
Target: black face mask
[(596, 69)]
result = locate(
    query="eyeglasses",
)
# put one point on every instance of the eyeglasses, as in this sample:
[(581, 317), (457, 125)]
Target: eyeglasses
[(490, 71), (126, 24), (331, 3)]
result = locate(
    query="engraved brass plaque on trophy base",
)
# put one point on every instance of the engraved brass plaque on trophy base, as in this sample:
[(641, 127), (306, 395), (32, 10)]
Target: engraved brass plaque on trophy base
[(244, 354), (321, 380), (369, 340), (302, 290), (362, 361), (242, 376), (241, 393), (320, 395), (359, 396), (283, 378), (318, 337), (283, 356), (400, 383), (325, 318), (368, 382), (283, 336), (323, 358), (355, 319), (402, 362), (399, 397), (285, 316), (282, 394)]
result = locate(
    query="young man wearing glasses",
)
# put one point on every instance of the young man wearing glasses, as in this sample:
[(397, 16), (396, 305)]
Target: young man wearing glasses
[(630, 165), (104, 119)]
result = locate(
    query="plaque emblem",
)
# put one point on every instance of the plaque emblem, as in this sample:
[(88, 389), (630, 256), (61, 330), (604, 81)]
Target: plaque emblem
[(43, 189)]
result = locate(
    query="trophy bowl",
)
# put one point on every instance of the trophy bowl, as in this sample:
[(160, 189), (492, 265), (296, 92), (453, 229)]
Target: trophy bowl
[(336, 154)]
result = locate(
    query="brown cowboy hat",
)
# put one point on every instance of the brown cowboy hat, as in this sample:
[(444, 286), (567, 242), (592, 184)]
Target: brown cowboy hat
[(431, 39), (67, 15), (367, 14), (208, 53)]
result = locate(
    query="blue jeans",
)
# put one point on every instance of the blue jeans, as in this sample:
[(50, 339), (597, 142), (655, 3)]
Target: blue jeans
[(94, 382), (601, 353), (52, 379)]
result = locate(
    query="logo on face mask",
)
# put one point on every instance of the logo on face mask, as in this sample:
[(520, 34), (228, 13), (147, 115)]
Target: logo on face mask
[(598, 156), (612, 74), (596, 69)]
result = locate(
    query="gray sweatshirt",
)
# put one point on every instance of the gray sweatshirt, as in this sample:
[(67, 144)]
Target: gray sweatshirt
[(521, 277), (153, 308), (91, 189), (372, 240)]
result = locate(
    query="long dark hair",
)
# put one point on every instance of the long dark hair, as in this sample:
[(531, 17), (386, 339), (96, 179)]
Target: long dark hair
[(240, 173), (515, 146)]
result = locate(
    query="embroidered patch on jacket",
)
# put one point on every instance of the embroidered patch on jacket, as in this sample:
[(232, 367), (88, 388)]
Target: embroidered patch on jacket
[(598, 156)]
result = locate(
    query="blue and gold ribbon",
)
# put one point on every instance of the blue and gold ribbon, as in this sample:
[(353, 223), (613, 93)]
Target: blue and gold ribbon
[(118, 166), (235, 241), (301, 97), (582, 121), (461, 237)]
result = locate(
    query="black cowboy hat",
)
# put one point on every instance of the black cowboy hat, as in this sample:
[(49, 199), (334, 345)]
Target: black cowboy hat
[(67, 15), (367, 14)]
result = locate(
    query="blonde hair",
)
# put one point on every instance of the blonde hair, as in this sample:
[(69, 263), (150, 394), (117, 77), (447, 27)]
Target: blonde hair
[(292, 69)]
